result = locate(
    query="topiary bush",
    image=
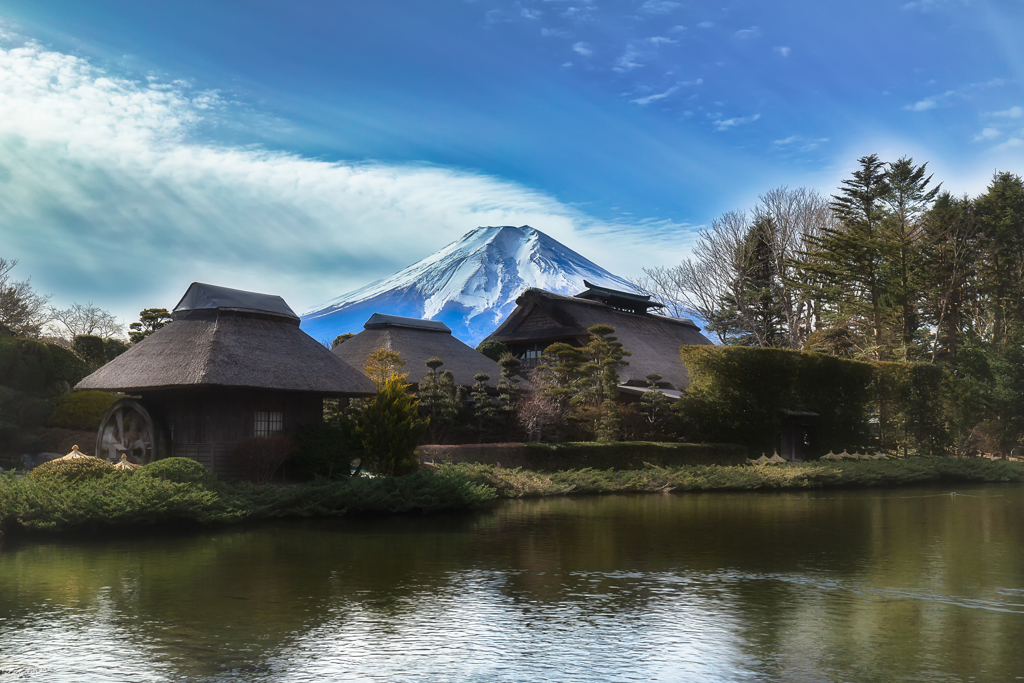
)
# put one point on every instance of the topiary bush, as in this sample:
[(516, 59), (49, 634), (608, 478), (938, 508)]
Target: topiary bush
[(77, 469), (81, 409), (180, 471)]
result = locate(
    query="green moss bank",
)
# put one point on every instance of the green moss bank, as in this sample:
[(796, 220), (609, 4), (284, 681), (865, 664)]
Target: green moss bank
[(519, 483), (139, 499)]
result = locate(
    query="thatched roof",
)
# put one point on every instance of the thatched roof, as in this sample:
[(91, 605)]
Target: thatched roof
[(416, 341), (221, 339), (544, 318)]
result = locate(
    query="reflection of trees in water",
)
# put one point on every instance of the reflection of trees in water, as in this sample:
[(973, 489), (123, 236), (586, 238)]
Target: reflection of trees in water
[(917, 598), (806, 582)]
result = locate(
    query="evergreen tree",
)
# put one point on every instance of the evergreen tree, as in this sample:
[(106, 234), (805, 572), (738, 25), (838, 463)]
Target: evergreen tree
[(440, 400), (1001, 212), (390, 428), (845, 265), (560, 378), (907, 200), (150, 320), (605, 355), (656, 409), (509, 394), (485, 412)]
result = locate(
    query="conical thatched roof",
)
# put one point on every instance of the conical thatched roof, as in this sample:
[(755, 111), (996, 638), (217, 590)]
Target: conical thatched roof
[(654, 340), (416, 341), (228, 340)]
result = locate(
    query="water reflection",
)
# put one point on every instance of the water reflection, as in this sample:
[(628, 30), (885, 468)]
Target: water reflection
[(896, 585)]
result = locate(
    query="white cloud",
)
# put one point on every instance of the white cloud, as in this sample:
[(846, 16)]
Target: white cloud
[(530, 13), (658, 6), (678, 29), (1012, 143), (583, 49), (726, 124), (705, 24), (782, 50), (644, 101), (627, 62), (748, 33), (987, 134), (554, 33), (786, 141), (108, 197), (1011, 113), (661, 40), (930, 102)]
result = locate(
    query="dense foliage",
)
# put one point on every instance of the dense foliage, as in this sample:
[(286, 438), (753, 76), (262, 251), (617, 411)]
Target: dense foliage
[(740, 393), (390, 428), (82, 410)]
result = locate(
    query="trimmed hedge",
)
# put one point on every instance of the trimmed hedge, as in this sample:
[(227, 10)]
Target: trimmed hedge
[(179, 471), (625, 455), (738, 394), (76, 470), (37, 367), (81, 409)]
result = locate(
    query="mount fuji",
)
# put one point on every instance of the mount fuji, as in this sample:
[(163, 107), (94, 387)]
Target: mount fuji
[(471, 285)]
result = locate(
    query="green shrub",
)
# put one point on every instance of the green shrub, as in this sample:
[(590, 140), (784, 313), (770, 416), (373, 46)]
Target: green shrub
[(89, 348), (389, 428), (75, 470), (179, 471), (492, 349), (81, 409), (39, 368), (323, 450)]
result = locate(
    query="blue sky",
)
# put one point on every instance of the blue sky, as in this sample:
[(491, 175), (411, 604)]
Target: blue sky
[(308, 148)]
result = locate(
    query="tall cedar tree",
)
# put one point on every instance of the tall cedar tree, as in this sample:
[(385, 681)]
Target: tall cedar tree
[(1001, 210), (846, 264), (907, 201), (509, 394), (485, 412), (751, 313)]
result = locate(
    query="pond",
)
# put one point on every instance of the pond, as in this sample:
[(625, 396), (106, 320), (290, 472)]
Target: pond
[(897, 585)]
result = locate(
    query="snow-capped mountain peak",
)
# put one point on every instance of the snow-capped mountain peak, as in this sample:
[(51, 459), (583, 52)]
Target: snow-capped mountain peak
[(471, 284)]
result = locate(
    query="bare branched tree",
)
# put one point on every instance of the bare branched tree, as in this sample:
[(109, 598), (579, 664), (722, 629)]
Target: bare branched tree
[(78, 319), (23, 310), (715, 278)]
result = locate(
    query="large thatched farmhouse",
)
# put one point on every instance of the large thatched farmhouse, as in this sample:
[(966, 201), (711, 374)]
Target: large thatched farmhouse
[(542, 318), (417, 341), (231, 365)]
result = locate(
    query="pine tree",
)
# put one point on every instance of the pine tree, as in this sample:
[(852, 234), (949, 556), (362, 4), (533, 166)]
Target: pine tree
[(440, 399), (484, 410), (656, 408), (1001, 212), (509, 394), (382, 365)]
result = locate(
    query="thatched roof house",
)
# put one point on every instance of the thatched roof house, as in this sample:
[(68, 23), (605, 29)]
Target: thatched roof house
[(417, 341), (542, 318), (232, 364)]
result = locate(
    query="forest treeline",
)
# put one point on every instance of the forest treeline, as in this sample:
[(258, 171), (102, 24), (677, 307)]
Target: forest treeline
[(892, 267)]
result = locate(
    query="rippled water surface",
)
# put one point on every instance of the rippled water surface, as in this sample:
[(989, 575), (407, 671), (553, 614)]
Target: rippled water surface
[(896, 585)]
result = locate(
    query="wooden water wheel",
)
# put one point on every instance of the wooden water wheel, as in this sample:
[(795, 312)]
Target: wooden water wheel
[(127, 429)]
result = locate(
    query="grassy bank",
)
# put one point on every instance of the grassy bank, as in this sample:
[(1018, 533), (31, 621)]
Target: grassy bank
[(518, 483), (164, 495), (125, 500)]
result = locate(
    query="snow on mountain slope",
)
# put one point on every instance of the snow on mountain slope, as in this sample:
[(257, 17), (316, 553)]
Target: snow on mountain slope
[(471, 284)]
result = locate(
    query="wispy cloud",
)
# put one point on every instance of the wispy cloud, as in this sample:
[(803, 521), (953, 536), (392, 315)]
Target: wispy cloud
[(554, 33), (782, 50), (528, 13), (726, 124), (658, 6), (799, 143), (987, 134), (661, 40), (627, 62), (1012, 143), (931, 102), (785, 141), (748, 33), (643, 101), (106, 184), (706, 24), (1011, 113), (583, 49)]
